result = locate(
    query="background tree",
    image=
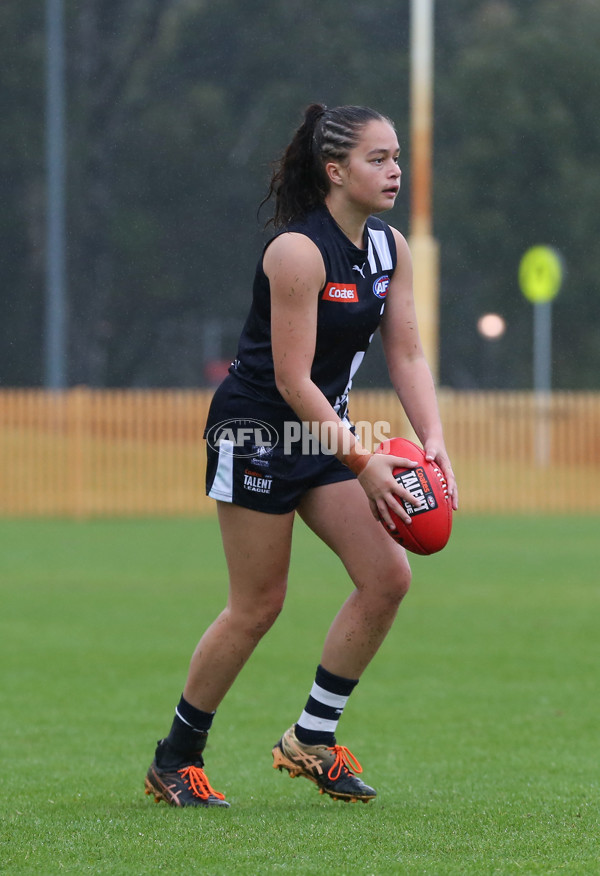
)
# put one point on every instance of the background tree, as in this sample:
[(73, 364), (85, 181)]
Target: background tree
[(176, 109), (516, 165), (21, 192)]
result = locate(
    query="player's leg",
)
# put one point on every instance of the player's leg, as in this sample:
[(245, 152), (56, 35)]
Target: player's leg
[(257, 549), (340, 516)]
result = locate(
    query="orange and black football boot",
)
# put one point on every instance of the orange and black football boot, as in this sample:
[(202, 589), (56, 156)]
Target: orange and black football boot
[(333, 768), (181, 783)]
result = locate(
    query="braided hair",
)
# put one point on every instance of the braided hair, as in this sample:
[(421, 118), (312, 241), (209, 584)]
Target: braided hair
[(299, 182)]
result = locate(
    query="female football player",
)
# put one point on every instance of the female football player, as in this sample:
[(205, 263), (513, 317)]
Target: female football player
[(330, 277)]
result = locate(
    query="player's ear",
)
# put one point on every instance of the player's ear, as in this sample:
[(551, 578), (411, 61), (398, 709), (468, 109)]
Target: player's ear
[(334, 173)]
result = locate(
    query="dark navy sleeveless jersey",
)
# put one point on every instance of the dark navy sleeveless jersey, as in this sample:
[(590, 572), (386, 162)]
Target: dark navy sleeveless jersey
[(350, 307)]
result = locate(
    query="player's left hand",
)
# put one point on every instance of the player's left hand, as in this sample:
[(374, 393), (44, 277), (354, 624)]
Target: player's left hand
[(434, 452)]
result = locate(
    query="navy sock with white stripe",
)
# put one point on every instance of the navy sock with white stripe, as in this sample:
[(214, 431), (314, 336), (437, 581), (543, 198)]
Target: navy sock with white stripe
[(189, 728), (194, 717), (329, 694)]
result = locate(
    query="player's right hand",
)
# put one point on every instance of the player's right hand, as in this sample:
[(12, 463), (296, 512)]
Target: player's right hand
[(383, 490)]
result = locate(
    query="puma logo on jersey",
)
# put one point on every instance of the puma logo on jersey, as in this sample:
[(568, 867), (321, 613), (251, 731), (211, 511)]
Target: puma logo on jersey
[(360, 269), (345, 292)]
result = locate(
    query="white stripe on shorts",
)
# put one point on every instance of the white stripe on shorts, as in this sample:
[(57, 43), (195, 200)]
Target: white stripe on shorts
[(222, 485)]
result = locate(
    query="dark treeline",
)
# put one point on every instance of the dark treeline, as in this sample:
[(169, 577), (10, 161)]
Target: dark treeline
[(176, 109)]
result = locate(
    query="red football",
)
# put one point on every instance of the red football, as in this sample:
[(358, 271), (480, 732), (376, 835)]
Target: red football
[(431, 520)]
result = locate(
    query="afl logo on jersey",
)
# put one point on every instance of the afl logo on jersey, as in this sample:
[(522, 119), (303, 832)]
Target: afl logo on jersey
[(380, 286), (340, 292)]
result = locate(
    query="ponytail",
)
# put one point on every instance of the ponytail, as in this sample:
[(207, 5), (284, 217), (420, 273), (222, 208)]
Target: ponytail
[(299, 182)]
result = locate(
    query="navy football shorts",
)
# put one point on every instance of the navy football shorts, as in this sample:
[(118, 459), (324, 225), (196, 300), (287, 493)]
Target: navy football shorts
[(259, 457)]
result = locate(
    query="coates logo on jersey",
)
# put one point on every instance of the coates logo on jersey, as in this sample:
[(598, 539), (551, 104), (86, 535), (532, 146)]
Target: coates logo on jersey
[(380, 286), (345, 292)]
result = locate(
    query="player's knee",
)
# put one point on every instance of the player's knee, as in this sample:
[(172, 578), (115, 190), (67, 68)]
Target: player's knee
[(269, 614), (398, 582), (404, 582), (258, 617), (385, 595)]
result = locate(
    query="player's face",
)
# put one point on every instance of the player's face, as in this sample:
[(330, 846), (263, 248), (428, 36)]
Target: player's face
[(371, 176)]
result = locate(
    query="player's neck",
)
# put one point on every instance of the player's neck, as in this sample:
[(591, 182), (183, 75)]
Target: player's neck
[(351, 222)]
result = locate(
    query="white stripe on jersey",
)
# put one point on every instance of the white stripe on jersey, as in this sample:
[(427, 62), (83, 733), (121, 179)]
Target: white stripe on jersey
[(222, 486), (371, 257), (379, 241), (355, 365)]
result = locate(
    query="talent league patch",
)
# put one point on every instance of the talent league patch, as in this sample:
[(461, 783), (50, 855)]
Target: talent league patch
[(346, 293), (380, 286), (257, 482)]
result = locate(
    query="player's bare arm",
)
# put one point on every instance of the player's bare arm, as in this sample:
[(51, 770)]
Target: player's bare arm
[(408, 368)]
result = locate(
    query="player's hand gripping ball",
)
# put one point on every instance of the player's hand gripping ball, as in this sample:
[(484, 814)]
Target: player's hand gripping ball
[(431, 520)]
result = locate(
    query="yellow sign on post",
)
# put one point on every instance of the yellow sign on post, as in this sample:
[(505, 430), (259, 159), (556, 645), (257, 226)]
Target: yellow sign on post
[(540, 274), (540, 279)]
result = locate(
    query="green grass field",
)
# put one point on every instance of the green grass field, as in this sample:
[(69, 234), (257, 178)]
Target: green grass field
[(477, 722)]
